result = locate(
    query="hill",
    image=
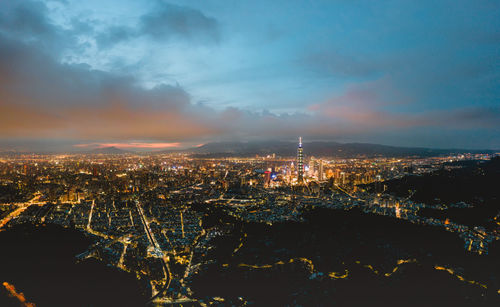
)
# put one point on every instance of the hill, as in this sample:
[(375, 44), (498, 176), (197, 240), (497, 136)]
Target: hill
[(108, 151), (476, 185), (330, 149)]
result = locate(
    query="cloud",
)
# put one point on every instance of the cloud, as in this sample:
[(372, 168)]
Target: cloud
[(464, 118), (169, 20), (29, 22), (364, 109), (165, 22), (29, 75), (115, 34), (42, 97)]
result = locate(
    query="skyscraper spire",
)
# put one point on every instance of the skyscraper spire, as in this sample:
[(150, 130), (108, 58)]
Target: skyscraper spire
[(300, 163)]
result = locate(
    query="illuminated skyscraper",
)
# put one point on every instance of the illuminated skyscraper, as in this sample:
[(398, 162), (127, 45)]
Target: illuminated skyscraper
[(320, 170), (300, 162), (311, 167)]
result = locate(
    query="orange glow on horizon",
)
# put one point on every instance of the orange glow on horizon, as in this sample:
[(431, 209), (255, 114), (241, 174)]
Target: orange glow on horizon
[(130, 145)]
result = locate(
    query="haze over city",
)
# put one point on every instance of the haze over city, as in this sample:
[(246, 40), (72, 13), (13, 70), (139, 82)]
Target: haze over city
[(183, 73)]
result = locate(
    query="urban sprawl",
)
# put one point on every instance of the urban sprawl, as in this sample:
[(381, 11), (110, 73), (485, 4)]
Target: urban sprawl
[(138, 206)]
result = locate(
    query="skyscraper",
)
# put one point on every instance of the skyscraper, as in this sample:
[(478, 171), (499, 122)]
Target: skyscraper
[(300, 162), (320, 170), (311, 167)]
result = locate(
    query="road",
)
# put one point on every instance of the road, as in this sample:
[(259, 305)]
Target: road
[(156, 246), (20, 209), (345, 192)]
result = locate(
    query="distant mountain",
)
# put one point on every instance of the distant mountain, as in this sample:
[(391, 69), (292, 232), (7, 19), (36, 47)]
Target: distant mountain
[(108, 151), (331, 149)]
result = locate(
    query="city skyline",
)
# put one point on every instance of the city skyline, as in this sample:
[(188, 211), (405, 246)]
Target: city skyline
[(152, 75), (180, 229)]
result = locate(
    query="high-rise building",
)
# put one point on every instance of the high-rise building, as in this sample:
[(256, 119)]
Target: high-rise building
[(311, 167), (300, 162), (320, 170), (267, 177)]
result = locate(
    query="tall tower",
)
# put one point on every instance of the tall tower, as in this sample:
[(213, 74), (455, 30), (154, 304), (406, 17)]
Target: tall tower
[(320, 170), (300, 162)]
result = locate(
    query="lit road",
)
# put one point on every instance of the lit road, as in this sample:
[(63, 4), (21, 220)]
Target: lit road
[(90, 214), (156, 246), (345, 192), (20, 209)]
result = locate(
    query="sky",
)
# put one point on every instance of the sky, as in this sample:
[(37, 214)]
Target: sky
[(153, 74)]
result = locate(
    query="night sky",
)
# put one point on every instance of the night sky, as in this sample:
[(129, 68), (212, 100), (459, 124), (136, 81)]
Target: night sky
[(148, 74)]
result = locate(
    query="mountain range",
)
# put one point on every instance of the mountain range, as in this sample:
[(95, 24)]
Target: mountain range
[(289, 149), (330, 149), (111, 150)]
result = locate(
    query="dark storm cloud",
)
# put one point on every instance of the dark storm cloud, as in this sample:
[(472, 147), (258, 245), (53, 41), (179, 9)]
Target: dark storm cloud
[(31, 77), (28, 21), (169, 20), (164, 22), (41, 97)]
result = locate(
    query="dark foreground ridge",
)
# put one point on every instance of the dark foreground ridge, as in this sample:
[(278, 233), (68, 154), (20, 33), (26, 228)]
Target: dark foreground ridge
[(476, 184), (40, 262), (346, 258)]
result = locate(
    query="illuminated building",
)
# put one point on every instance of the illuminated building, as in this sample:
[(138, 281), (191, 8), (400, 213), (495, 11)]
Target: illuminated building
[(398, 211), (300, 162), (320, 170), (311, 167), (267, 177)]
